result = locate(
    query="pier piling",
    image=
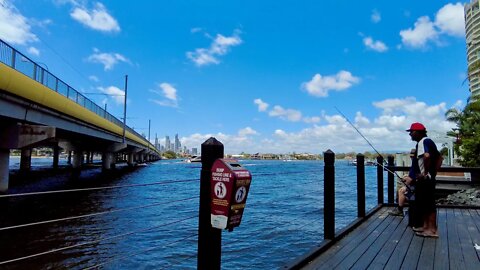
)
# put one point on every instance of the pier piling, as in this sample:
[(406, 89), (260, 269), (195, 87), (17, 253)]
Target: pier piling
[(209, 239)]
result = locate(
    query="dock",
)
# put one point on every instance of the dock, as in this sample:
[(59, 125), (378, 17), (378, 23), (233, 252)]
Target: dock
[(386, 242)]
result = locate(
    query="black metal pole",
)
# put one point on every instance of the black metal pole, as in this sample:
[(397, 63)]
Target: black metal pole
[(209, 239), (380, 180), (329, 195), (391, 180), (360, 185)]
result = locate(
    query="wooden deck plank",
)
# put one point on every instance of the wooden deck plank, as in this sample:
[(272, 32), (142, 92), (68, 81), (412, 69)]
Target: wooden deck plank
[(383, 256), (455, 252), (385, 242), (427, 254), (360, 249), (400, 251), (336, 254), (413, 253), (366, 259), (466, 243), (441, 247), (473, 225)]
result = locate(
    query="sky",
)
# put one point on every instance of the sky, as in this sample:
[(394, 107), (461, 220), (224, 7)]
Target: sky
[(259, 76)]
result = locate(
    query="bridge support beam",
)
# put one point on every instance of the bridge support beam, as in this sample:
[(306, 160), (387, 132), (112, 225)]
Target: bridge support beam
[(26, 160), (77, 159), (4, 160), (108, 161), (56, 154), (130, 160)]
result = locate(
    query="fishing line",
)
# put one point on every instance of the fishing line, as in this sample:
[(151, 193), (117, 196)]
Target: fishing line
[(388, 170)]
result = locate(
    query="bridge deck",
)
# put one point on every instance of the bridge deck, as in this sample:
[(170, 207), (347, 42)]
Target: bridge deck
[(386, 242)]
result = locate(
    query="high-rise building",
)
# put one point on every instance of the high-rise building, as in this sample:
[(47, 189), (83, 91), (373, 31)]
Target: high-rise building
[(472, 32), (178, 145), (167, 143)]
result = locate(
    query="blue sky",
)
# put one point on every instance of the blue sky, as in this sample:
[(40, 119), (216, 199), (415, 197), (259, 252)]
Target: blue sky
[(260, 76)]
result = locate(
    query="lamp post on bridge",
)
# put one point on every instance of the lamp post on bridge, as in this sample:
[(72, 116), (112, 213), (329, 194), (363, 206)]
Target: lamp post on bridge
[(124, 105)]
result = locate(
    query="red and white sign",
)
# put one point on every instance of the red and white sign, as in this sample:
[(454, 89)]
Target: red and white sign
[(230, 184)]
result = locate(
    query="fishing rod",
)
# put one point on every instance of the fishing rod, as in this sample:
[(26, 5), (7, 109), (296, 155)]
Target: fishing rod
[(371, 145)]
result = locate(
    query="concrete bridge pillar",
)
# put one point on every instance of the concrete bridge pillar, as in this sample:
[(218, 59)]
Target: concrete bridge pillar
[(69, 159), (77, 159), (130, 160), (56, 154), (108, 160), (4, 160), (26, 160)]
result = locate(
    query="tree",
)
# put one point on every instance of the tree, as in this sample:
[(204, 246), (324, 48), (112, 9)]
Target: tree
[(468, 127), (170, 155)]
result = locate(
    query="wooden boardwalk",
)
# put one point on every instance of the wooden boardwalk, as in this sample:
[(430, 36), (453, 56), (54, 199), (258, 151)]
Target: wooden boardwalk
[(386, 242)]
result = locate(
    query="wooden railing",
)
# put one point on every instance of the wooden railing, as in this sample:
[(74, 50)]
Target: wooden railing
[(209, 239)]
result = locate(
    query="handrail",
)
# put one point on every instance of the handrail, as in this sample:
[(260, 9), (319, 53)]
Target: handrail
[(442, 169), (23, 64)]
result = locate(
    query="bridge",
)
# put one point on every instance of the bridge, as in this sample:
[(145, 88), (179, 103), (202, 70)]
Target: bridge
[(37, 109)]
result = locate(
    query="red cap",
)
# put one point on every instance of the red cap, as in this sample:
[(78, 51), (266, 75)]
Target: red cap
[(417, 126)]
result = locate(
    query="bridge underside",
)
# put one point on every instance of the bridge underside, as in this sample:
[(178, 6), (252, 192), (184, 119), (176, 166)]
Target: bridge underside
[(25, 125)]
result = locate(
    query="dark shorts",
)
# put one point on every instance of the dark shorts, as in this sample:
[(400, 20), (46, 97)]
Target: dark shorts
[(425, 195)]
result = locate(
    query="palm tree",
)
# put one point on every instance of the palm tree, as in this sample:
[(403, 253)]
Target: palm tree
[(468, 123)]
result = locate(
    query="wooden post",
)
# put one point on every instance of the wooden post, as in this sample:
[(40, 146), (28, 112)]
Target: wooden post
[(329, 195), (209, 239), (380, 180), (391, 178), (360, 185)]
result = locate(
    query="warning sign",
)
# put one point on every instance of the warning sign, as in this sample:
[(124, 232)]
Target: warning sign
[(220, 190)]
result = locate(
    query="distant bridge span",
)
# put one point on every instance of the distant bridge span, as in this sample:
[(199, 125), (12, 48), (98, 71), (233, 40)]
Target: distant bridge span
[(39, 109)]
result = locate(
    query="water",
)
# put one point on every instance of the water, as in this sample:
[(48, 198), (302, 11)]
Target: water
[(283, 218)]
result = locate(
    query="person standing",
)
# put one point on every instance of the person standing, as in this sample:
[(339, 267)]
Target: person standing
[(427, 157)]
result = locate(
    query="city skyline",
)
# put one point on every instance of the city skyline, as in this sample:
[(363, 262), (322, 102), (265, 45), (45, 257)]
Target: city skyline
[(260, 77)]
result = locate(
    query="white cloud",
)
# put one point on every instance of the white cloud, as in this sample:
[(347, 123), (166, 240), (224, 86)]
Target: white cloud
[(108, 60), (219, 47), (320, 85), (422, 32), (262, 106), (169, 95), (286, 114), (98, 18), (246, 132), (14, 27), (93, 78), (375, 17), (386, 131), (450, 20), (312, 120), (361, 120), (375, 45), (234, 143), (114, 93), (169, 91), (33, 51)]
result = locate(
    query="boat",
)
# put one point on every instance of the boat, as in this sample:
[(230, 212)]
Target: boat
[(194, 159)]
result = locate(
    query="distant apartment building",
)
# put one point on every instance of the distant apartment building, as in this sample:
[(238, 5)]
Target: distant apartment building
[(167, 143), (472, 32), (178, 145)]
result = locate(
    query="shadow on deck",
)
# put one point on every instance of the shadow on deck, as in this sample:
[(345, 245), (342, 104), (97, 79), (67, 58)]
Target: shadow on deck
[(386, 242)]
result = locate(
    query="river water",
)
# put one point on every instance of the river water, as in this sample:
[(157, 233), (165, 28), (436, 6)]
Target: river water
[(152, 222)]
